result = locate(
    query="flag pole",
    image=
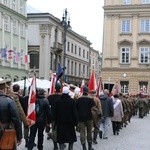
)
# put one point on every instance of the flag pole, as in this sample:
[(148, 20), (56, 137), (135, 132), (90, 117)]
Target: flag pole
[(24, 89)]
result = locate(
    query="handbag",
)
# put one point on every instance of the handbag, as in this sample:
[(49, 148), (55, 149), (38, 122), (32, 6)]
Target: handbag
[(8, 138), (97, 111)]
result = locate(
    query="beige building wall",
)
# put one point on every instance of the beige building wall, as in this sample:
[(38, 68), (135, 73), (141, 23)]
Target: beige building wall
[(126, 53)]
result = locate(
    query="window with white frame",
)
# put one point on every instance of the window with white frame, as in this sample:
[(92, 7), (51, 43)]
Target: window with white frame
[(124, 86), (84, 53), (21, 29), (14, 4), (6, 23), (143, 87), (125, 25), (145, 1), (14, 26), (125, 55), (22, 7), (5, 2), (126, 2), (145, 25), (144, 55)]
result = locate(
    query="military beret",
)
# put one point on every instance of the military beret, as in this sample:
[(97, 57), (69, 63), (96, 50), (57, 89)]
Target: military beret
[(85, 89), (58, 86)]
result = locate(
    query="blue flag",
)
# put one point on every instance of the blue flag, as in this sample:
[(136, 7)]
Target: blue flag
[(59, 72)]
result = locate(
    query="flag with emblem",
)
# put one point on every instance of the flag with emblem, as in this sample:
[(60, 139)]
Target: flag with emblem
[(31, 113)]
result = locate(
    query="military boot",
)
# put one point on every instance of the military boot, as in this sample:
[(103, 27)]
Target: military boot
[(70, 146), (84, 146), (94, 137), (90, 146)]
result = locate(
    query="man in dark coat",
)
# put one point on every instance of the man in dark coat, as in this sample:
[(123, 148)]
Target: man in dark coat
[(84, 106), (66, 119), (9, 116), (52, 102)]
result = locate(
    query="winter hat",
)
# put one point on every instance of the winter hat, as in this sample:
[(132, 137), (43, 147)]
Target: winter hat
[(58, 86), (65, 90), (85, 89)]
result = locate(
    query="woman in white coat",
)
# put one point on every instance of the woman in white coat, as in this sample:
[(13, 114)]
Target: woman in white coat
[(118, 114)]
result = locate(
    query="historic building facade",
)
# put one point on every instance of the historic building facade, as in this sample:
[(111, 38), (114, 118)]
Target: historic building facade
[(13, 39), (46, 48), (126, 45)]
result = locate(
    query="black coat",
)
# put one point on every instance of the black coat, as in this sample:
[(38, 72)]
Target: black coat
[(84, 105), (66, 119)]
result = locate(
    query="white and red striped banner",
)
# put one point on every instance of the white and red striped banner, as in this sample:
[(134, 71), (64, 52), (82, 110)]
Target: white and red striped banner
[(31, 114)]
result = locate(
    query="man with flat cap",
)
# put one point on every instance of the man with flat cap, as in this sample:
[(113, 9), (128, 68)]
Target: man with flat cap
[(9, 116)]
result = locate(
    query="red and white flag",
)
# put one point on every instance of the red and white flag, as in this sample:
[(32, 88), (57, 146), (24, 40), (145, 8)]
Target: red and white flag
[(92, 82), (31, 113), (81, 87), (100, 88), (52, 86), (26, 59)]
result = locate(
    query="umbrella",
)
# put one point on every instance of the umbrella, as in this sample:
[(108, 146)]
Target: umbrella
[(45, 84)]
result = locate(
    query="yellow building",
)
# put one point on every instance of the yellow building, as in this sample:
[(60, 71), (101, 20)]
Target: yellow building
[(126, 45)]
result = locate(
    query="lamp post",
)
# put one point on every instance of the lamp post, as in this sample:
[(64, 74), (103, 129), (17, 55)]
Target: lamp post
[(66, 24)]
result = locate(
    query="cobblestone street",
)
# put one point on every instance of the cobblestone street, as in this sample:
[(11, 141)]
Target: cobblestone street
[(133, 137)]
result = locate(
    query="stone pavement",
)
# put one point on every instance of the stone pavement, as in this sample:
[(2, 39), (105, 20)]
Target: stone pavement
[(136, 136)]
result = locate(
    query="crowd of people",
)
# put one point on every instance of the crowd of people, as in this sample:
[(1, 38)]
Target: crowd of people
[(66, 112)]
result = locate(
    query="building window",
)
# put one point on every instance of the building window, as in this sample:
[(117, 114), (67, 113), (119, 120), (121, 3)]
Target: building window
[(144, 55), (125, 55), (124, 86), (14, 4), (84, 53), (87, 71), (68, 46), (79, 70), (145, 25), (68, 67), (71, 48), (14, 54), (125, 25), (143, 87), (84, 69), (126, 2), (14, 26), (56, 34), (79, 51), (6, 23), (72, 67), (87, 55), (22, 7), (21, 30), (75, 69), (5, 2), (75, 49), (145, 1)]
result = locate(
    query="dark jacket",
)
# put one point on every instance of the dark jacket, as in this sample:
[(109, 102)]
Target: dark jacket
[(9, 114), (66, 119), (52, 99), (84, 105), (45, 114), (107, 105)]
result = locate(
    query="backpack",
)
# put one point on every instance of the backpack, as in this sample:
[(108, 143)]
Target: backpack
[(38, 107)]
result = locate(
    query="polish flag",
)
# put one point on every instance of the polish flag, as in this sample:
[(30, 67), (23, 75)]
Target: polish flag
[(100, 88), (31, 114), (26, 59), (92, 82), (81, 87), (52, 86)]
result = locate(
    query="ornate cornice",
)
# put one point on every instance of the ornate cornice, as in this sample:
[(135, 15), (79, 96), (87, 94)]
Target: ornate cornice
[(45, 29)]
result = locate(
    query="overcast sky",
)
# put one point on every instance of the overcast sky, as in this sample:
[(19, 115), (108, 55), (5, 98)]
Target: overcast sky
[(86, 16)]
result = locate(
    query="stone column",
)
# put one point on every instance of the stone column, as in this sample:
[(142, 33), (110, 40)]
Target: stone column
[(44, 54)]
